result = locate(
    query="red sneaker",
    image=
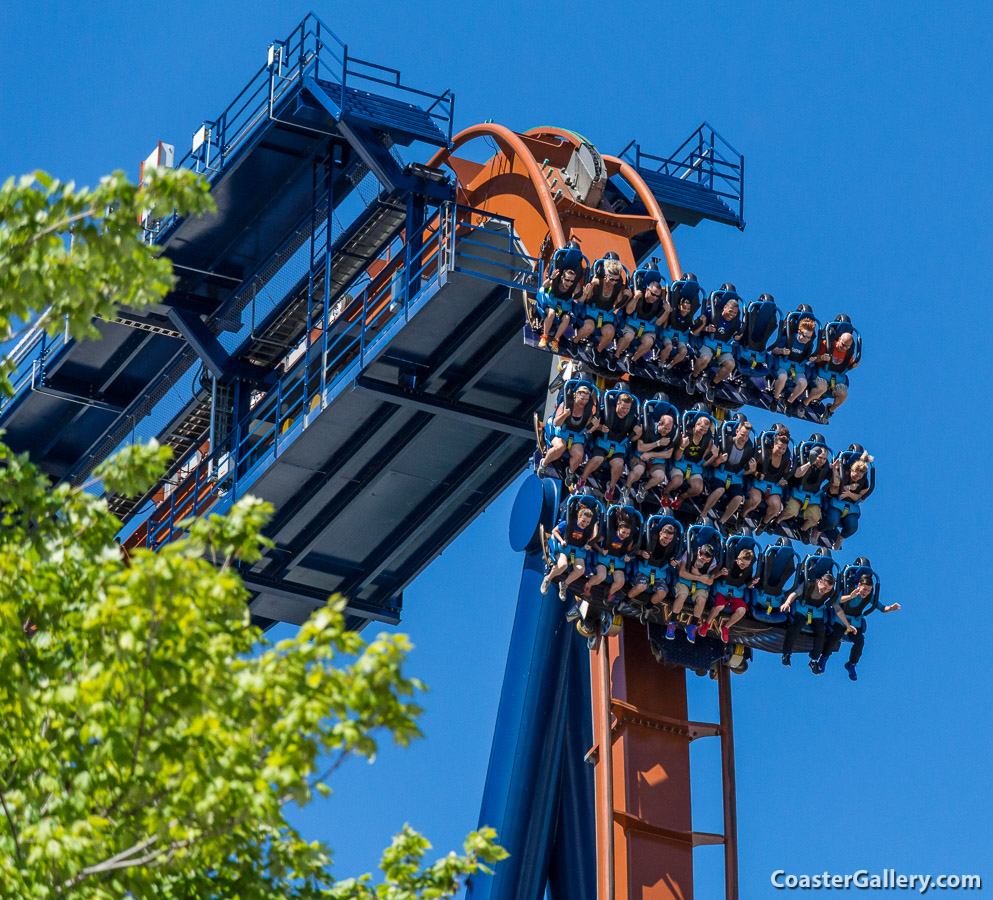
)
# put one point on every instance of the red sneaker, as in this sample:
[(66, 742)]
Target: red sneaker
[(554, 344), (609, 496), (703, 629), (724, 634), (543, 342)]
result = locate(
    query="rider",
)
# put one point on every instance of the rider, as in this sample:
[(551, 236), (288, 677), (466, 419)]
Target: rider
[(774, 468), (604, 297), (813, 595), (695, 450), (567, 428), (731, 589), (655, 565), (697, 572), (792, 354), (829, 368), (735, 461), (845, 494), (646, 311), (679, 324), (575, 538), (718, 333), (613, 547), (654, 450), (613, 438), (808, 481), (561, 287), (851, 610)]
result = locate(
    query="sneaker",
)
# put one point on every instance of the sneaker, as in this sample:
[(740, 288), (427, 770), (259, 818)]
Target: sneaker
[(554, 344), (724, 634), (691, 633), (836, 545), (690, 385), (815, 667), (825, 418), (670, 631), (574, 613), (665, 502), (563, 590), (709, 390), (609, 495), (640, 493), (543, 342), (570, 479), (610, 599), (703, 629), (580, 484), (822, 664), (674, 505), (786, 659), (545, 582), (852, 674)]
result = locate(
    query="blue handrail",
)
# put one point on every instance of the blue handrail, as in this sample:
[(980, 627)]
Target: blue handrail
[(348, 344), (704, 157)]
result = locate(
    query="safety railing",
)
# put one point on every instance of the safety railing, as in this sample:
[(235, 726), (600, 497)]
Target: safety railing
[(31, 357), (456, 239), (704, 158), (312, 49)]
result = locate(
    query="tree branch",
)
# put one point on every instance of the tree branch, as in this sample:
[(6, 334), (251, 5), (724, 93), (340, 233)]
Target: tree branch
[(13, 827)]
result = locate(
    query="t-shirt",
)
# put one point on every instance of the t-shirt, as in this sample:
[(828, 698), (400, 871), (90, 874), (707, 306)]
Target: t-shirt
[(615, 546), (797, 351), (575, 536), (738, 576), (619, 429), (810, 595), (695, 452), (662, 554), (737, 459)]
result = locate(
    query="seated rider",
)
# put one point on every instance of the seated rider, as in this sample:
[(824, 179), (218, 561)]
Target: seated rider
[(812, 595), (654, 450), (807, 482), (613, 552), (695, 450), (795, 345), (731, 590), (835, 356), (718, 329), (851, 610), (851, 483), (569, 544), (561, 287), (772, 473), (567, 428), (644, 313), (604, 298), (683, 303), (612, 438), (697, 572), (736, 461), (655, 563)]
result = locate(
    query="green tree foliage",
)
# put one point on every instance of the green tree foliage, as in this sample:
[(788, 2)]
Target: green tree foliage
[(151, 738)]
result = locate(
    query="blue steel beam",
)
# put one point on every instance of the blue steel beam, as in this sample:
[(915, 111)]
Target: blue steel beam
[(534, 794)]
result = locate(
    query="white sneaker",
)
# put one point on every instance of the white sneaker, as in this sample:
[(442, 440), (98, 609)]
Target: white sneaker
[(545, 582)]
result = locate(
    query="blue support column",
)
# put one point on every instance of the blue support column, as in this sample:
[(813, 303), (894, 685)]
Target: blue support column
[(539, 741), (572, 868)]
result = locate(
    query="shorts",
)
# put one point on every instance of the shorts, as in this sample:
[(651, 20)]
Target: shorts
[(725, 355), (683, 591), (641, 578), (621, 452), (811, 514), (818, 374), (735, 489), (736, 602)]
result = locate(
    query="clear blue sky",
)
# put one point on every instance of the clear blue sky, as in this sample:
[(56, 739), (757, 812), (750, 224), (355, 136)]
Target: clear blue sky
[(866, 129)]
